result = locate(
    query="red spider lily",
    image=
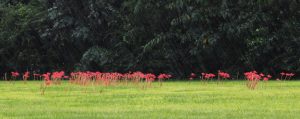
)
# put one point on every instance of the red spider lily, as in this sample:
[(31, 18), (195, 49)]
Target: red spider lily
[(192, 76), (114, 77), (164, 76), (47, 82), (208, 75), (46, 77), (138, 74), (150, 77), (85, 78), (282, 75), (15, 74), (253, 78), (252, 75), (136, 77), (290, 74), (26, 76), (223, 75), (203, 74), (286, 75), (265, 78), (261, 74), (57, 77)]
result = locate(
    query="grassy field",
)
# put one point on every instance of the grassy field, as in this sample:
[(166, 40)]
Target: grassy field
[(232, 100)]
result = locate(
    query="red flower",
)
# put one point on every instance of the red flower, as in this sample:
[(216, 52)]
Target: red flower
[(15, 74), (192, 76), (252, 75), (223, 74), (164, 76), (290, 74), (261, 74), (26, 75), (208, 75), (47, 78), (58, 75), (150, 77)]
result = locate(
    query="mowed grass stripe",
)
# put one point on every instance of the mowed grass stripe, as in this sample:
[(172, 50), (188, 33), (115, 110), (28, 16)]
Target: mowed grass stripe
[(178, 99)]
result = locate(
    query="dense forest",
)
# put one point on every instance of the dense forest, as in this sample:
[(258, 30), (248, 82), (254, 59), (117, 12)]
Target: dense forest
[(158, 36)]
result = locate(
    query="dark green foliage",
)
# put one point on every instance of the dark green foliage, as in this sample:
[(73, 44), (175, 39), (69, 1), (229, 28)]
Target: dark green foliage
[(160, 36)]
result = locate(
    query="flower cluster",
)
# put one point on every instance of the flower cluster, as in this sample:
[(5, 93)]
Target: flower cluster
[(26, 76), (252, 75), (164, 76), (192, 76), (15, 74), (58, 75), (265, 77), (150, 77), (223, 75), (253, 78), (47, 79), (286, 75), (84, 78), (208, 75)]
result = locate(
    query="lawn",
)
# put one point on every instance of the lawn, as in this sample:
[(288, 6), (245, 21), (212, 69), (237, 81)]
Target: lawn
[(175, 99)]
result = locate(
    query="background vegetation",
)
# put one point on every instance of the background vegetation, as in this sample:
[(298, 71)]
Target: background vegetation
[(158, 36)]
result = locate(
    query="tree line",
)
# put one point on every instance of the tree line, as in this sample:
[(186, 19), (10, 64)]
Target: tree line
[(158, 36)]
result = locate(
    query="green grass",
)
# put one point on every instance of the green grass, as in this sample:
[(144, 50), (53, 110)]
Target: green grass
[(232, 100)]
